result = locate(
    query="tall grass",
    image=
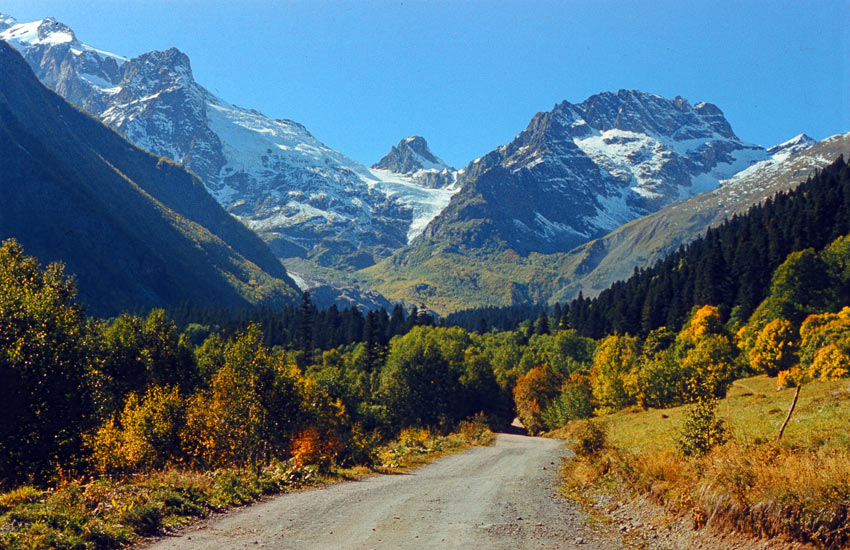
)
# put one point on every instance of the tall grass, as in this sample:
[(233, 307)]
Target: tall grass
[(799, 489)]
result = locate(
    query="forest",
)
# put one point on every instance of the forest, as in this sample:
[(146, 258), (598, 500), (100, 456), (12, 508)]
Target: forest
[(201, 390)]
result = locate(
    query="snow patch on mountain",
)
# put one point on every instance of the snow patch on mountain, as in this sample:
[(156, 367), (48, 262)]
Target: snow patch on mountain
[(272, 174), (425, 202)]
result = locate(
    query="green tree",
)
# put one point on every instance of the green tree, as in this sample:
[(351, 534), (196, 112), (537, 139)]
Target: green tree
[(44, 361), (420, 384), (138, 353)]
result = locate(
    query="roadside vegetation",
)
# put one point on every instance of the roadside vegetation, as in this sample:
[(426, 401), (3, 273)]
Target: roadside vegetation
[(798, 488), (686, 424)]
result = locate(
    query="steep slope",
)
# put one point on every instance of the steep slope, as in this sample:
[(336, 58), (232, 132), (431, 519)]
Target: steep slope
[(574, 174), (303, 198), (138, 231), (593, 266)]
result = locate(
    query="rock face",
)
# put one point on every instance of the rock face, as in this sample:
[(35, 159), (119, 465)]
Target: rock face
[(136, 230), (413, 158), (580, 171), (303, 198)]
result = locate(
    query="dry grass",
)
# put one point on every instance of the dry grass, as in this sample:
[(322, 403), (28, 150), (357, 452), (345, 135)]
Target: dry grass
[(799, 488)]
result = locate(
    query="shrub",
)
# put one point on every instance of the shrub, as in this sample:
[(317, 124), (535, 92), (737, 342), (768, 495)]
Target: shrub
[(309, 447), (590, 439), (145, 519), (662, 381), (534, 392), (148, 435), (573, 403), (776, 348), (702, 430), (613, 374)]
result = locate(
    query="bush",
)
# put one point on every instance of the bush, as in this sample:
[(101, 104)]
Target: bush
[(613, 374), (533, 392), (590, 439), (145, 519), (574, 403), (148, 435), (310, 448), (662, 381), (702, 430)]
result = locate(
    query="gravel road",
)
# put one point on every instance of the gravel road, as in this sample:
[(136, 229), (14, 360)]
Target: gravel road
[(498, 497)]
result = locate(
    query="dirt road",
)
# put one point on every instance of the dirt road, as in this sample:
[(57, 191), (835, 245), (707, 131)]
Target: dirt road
[(499, 497)]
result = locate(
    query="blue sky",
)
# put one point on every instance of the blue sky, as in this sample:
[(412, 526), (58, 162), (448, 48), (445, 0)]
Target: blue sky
[(469, 75)]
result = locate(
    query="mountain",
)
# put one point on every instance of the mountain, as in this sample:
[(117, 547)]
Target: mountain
[(451, 277), (580, 171), (137, 230), (593, 266), (303, 198), (412, 157), (574, 174), (414, 176)]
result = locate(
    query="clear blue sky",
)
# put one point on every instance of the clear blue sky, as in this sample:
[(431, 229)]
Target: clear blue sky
[(468, 75)]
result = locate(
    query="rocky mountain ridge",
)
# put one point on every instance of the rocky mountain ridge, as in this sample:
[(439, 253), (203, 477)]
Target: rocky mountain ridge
[(303, 198), (136, 230), (593, 266), (574, 175), (448, 274), (582, 170)]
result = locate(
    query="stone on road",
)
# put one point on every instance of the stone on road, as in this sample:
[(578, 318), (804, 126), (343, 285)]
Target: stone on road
[(498, 497)]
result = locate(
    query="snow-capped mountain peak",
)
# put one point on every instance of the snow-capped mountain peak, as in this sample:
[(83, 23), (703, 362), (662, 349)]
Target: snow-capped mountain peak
[(6, 21), (582, 170), (304, 198), (47, 31), (411, 155)]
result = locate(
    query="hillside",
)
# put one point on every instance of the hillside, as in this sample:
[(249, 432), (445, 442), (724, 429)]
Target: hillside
[(137, 230), (594, 266), (306, 200)]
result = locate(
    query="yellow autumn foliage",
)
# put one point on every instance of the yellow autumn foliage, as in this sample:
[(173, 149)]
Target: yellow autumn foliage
[(830, 363), (613, 376), (776, 348)]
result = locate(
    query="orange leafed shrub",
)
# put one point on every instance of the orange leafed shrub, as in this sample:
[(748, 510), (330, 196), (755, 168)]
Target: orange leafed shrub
[(309, 447), (533, 392)]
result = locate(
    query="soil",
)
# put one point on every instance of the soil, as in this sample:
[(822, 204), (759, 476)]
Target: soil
[(500, 497)]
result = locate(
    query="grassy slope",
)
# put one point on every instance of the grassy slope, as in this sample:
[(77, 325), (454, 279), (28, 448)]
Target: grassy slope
[(755, 411), (798, 489), (448, 278)]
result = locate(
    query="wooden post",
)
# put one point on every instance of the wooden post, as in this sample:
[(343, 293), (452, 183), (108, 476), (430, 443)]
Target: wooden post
[(790, 411)]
